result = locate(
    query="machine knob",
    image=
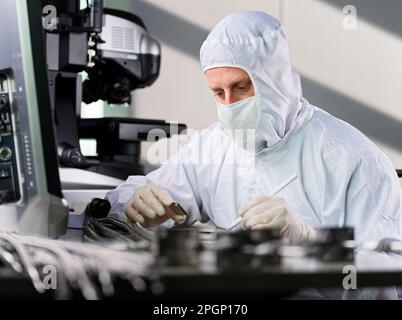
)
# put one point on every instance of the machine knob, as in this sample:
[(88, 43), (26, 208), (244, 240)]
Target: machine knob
[(3, 102), (98, 208), (5, 154)]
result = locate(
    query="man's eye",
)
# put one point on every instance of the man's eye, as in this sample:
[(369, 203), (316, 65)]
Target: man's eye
[(219, 94), (241, 88)]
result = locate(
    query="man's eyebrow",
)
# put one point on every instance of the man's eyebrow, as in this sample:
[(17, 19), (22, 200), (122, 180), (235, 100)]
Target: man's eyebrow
[(215, 88), (233, 83)]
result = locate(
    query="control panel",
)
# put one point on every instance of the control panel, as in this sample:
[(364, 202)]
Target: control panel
[(9, 184)]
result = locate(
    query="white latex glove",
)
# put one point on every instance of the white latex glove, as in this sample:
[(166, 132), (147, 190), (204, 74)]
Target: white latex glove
[(273, 212), (149, 206)]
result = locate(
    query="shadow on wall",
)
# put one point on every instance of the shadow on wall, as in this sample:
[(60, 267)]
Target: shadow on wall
[(188, 37), (384, 14), (173, 30), (378, 125)]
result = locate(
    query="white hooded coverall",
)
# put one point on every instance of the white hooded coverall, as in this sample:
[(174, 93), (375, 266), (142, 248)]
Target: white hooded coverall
[(343, 178)]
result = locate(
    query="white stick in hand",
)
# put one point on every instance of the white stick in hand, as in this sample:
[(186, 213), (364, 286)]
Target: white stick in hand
[(273, 194)]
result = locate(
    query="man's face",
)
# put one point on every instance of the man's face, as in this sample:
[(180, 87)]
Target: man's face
[(230, 85)]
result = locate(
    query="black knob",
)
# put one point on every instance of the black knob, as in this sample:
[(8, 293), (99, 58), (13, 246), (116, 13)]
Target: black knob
[(98, 208), (3, 102)]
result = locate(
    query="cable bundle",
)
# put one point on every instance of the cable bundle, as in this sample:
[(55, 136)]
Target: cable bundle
[(88, 267)]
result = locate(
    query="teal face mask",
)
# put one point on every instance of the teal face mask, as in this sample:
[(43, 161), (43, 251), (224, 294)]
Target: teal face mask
[(244, 114)]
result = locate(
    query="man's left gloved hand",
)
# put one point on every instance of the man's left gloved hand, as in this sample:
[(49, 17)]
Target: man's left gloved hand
[(273, 212)]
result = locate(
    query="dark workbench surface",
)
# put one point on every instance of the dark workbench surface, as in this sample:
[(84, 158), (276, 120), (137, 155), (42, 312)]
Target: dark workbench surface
[(373, 270)]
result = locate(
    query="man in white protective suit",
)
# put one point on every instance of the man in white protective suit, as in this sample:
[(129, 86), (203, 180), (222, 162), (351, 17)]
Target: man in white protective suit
[(266, 132)]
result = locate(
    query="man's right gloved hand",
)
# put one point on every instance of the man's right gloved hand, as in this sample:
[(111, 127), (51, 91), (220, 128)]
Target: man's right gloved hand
[(149, 206)]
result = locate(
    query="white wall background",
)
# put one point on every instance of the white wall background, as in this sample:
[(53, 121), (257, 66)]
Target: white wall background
[(354, 74)]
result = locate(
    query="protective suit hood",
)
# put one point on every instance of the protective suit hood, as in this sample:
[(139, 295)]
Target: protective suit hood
[(256, 43)]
